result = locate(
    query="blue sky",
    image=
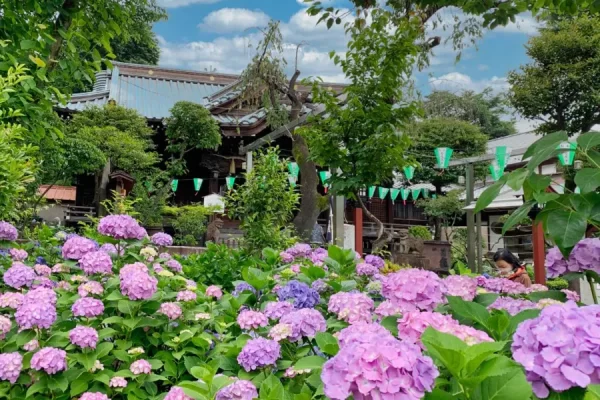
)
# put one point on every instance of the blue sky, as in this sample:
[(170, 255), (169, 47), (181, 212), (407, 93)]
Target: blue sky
[(219, 34)]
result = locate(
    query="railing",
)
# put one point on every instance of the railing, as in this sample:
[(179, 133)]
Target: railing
[(79, 213)]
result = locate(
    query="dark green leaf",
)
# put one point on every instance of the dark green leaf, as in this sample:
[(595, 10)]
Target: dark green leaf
[(310, 362), (446, 349), (490, 194), (79, 386), (271, 389), (522, 316), (510, 386), (566, 228), (473, 311), (588, 179), (327, 343), (518, 215), (588, 141), (486, 299), (546, 142), (391, 324), (516, 178)]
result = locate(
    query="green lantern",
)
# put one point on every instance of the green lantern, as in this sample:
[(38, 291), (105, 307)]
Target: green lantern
[(292, 180), (496, 171), (294, 169), (230, 181), (566, 156), (394, 194), (409, 172), (197, 184), (434, 196), (404, 192), (371, 192), (415, 194), (174, 184), (325, 175), (443, 155), (383, 192), (502, 156), (577, 190), (426, 193)]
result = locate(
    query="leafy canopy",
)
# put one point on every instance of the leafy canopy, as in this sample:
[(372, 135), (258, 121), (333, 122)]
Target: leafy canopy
[(560, 86)]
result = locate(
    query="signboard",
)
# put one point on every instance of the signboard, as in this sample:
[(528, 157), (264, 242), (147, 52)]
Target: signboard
[(349, 235), (215, 200)]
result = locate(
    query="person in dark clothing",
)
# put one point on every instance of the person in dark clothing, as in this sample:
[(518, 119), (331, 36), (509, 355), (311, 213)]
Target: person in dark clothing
[(510, 267)]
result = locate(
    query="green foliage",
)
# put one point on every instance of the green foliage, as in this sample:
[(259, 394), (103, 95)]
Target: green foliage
[(190, 224), (557, 284), (566, 65), (474, 372), (445, 210), (466, 139), (151, 203), (118, 204), (361, 141), (391, 267), (483, 109), (17, 168), (190, 126), (264, 203), (420, 232), (218, 264), (523, 221)]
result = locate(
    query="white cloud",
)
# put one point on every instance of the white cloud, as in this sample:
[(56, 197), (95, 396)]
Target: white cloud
[(524, 23), (233, 20), (182, 3), (457, 82), (483, 67)]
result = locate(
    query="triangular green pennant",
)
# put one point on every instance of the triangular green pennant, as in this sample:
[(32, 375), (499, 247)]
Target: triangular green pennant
[(294, 169), (292, 180), (325, 175), (174, 184), (443, 155), (434, 196), (567, 154), (197, 184), (394, 194), (230, 181), (415, 194), (577, 190), (383, 192), (409, 172), (426, 193), (496, 171), (404, 192), (502, 156), (372, 191)]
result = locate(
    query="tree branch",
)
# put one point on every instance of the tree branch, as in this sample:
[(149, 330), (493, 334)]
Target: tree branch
[(63, 22)]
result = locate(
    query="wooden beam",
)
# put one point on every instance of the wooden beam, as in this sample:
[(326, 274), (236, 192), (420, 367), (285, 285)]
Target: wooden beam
[(485, 157), (539, 254)]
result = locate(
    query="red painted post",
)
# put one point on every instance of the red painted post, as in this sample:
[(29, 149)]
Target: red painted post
[(539, 253), (358, 230)]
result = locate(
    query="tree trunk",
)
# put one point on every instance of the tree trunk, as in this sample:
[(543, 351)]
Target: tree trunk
[(437, 230), (309, 203), (383, 236)]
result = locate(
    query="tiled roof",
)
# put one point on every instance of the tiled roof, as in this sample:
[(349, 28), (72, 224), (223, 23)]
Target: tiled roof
[(56, 192)]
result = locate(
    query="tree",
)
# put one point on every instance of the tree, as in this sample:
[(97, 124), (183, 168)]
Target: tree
[(264, 203), (443, 210), (560, 87), (190, 126), (464, 138), (483, 109), (264, 83), (362, 141)]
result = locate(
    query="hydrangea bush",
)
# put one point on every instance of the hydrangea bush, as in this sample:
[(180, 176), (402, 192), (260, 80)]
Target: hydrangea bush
[(111, 316)]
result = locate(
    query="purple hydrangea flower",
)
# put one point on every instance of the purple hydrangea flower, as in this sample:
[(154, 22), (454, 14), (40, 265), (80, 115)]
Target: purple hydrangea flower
[(259, 353), (277, 309), (121, 227), (584, 256), (87, 307), (250, 320), (320, 286), (300, 250), (91, 287), (512, 306), (8, 231), (286, 257), (19, 275), (375, 261), (558, 349), (351, 307), (18, 254), (503, 285), (177, 393), (461, 286), (43, 282), (305, 322), (186, 295), (109, 248), (140, 367), (318, 257), (49, 360), (162, 239), (243, 287), (364, 269), (11, 300), (136, 283), (170, 310), (174, 265), (414, 289), (238, 390), (38, 309), (5, 326), (280, 332), (300, 294), (380, 367), (361, 332), (94, 396), (117, 382), (96, 262), (10, 366), (42, 270), (32, 345), (214, 291), (387, 308), (571, 295), (77, 246), (84, 337)]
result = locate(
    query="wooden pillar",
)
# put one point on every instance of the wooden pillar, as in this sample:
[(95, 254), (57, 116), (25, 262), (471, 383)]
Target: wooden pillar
[(249, 162), (470, 181), (338, 221), (539, 253), (358, 230), (479, 244)]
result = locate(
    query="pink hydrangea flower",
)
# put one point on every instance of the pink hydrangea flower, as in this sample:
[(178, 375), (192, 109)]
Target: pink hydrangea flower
[(38, 309), (386, 309), (87, 307), (42, 270), (10, 366), (136, 283), (305, 322), (286, 258), (364, 269), (238, 390), (162, 239), (19, 275), (91, 287), (171, 310), (49, 360), (414, 289), (250, 320), (503, 285), (186, 295), (11, 300), (140, 367), (117, 382), (8, 231), (60, 268), (571, 295), (361, 332), (121, 227), (214, 291), (84, 337), (280, 332), (512, 306), (18, 254), (5, 326), (277, 309), (165, 256), (76, 247), (351, 307), (174, 265), (177, 393), (31, 345), (94, 396), (96, 262), (461, 286)]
